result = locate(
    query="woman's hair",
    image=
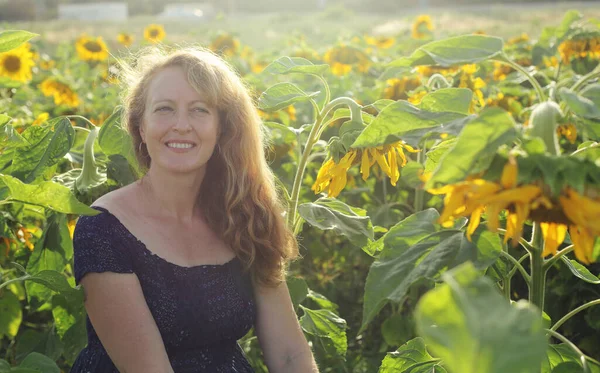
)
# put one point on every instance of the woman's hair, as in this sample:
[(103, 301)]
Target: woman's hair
[(238, 195)]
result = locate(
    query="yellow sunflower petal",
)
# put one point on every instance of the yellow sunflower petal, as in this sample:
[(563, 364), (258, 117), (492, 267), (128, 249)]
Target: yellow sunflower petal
[(554, 235)]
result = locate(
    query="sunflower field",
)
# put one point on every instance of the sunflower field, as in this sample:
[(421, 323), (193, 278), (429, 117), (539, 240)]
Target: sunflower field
[(444, 188)]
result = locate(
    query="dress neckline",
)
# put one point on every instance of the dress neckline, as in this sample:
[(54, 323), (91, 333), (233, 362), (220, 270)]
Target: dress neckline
[(153, 254)]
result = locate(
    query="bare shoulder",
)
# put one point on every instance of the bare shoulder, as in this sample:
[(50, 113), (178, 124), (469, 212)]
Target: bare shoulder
[(118, 200)]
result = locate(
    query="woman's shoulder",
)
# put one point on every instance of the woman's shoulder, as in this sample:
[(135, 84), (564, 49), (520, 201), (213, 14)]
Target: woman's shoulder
[(109, 206)]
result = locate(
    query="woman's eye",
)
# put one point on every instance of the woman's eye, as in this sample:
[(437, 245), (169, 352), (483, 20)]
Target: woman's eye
[(163, 109), (200, 110)]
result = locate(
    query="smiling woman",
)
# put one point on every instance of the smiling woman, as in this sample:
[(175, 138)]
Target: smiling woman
[(181, 264)]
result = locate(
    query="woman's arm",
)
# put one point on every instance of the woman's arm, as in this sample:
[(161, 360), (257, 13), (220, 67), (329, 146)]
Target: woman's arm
[(279, 334), (120, 315)]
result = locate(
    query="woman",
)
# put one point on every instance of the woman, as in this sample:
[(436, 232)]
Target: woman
[(179, 265)]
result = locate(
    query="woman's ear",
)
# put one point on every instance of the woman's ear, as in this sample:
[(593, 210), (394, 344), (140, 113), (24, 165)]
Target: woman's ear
[(142, 132)]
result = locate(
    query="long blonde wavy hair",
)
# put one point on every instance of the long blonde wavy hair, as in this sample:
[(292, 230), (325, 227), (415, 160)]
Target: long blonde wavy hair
[(240, 201)]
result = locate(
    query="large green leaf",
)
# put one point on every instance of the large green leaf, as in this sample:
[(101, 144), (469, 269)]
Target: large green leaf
[(581, 105), (569, 18), (479, 138), (287, 65), (11, 314), (298, 290), (330, 213), (452, 100), (411, 357), (114, 140), (401, 265), (11, 39), (473, 329), (558, 354), (47, 194), (404, 121), (282, 95), (47, 145), (453, 51), (39, 362), (326, 324), (45, 342), (580, 271)]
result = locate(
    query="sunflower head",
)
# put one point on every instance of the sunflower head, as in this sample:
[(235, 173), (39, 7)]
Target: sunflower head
[(154, 33), (125, 39), (398, 89), (225, 45), (422, 27), (16, 64), (381, 42), (91, 49), (344, 58)]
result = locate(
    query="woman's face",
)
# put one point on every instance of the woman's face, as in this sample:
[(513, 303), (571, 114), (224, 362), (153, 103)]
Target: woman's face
[(179, 128)]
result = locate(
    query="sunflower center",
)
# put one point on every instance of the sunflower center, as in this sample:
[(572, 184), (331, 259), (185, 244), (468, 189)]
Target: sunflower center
[(12, 63), (154, 33), (93, 46)]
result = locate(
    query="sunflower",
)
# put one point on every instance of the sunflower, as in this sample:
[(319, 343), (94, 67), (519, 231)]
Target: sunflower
[(225, 44), (381, 42), (416, 97), (390, 158), (154, 33), (16, 64), (62, 93), (427, 71), (290, 111), (43, 117), (569, 131), (397, 89), (523, 38), (501, 71), (570, 212), (475, 84), (125, 39), (422, 27), (506, 102), (24, 234), (579, 47), (91, 49), (343, 59)]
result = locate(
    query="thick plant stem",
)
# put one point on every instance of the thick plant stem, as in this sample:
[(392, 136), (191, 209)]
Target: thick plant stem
[(536, 85), (313, 137), (580, 83), (538, 272)]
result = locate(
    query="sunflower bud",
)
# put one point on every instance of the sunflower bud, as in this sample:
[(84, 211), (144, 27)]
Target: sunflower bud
[(544, 121), (89, 178)]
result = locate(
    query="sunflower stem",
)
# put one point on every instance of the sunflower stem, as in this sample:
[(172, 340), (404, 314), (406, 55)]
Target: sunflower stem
[(593, 74), (327, 91), (419, 192), (582, 357), (313, 137), (538, 272), (566, 317), (518, 265), (536, 85), (514, 269), (558, 255)]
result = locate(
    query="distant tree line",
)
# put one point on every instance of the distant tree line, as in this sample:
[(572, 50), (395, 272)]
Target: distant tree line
[(47, 9)]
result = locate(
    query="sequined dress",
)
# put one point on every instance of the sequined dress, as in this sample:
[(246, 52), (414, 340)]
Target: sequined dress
[(200, 311)]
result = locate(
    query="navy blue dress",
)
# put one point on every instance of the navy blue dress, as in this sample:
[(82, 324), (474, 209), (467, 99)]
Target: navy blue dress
[(200, 311)]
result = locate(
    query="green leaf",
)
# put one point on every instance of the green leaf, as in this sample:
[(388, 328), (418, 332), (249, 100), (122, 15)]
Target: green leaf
[(47, 145), (326, 324), (411, 357), (287, 134), (453, 51), (580, 271), (479, 138), (568, 19), (47, 194), (11, 39), (11, 314), (330, 213), (452, 100), (401, 265), (113, 139), (559, 354), (483, 250), (436, 153), (40, 362), (45, 342), (282, 95), (404, 121), (4, 119), (459, 322), (287, 65), (579, 104), (322, 302), (298, 290)]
